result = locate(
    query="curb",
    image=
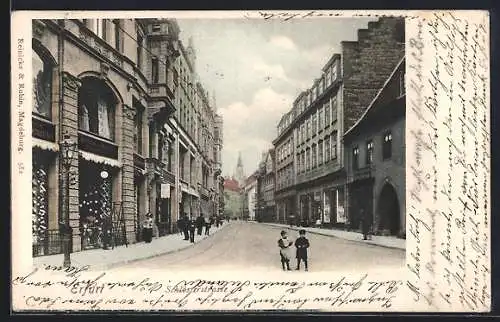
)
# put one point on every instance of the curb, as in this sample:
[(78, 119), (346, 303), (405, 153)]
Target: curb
[(114, 265), (371, 243), (124, 262)]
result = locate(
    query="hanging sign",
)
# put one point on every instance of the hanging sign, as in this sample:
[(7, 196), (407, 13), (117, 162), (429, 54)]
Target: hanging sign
[(165, 191)]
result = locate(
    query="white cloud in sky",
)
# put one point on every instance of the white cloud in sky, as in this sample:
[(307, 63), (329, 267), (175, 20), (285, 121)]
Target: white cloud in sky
[(257, 68)]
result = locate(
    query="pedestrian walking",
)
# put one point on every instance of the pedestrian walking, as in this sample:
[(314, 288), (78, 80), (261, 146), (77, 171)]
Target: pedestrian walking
[(285, 245), (192, 229), (302, 244), (365, 225), (148, 228), (208, 223), (200, 222), (180, 226), (185, 226)]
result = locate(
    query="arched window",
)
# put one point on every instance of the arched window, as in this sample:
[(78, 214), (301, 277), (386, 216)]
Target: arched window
[(96, 108), (42, 85)]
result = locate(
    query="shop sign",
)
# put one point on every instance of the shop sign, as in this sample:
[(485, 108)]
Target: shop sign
[(165, 191)]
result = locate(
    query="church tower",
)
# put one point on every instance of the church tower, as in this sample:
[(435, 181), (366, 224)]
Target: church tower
[(240, 174)]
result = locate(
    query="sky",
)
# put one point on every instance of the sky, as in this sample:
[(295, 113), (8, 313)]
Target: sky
[(256, 68)]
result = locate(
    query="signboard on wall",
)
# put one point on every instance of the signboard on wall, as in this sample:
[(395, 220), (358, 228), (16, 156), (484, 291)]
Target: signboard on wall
[(165, 191)]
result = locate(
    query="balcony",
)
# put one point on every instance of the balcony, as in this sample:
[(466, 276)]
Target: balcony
[(204, 192), (94, 144), (139, 162)]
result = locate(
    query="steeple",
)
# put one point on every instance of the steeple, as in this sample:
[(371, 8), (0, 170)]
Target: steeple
[(239, 174)]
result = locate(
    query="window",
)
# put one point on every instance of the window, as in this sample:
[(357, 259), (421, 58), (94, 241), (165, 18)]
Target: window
[(154, 70), (156, 28), (160, 146), (387, 146), (320, 119), (314, 124), (320, 152), (327, 114), (327, 148), (118, 35), (42, 86), (308, 158), (314, 155), (303, 161), (140, 41), (369, 152), (104, 27), (334, 72), (138, 130), (302, 133), (334, 109), (355, 158), (96, 108), (308, 128), (333, 139)]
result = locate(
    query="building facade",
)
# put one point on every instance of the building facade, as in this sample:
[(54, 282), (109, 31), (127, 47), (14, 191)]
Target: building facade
[(249, 190), (320, 116), (375, 160), (266, 205), (112, 87), (233, 199)]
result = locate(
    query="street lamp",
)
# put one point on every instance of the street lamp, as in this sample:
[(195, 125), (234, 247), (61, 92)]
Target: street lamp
[(68, 151)]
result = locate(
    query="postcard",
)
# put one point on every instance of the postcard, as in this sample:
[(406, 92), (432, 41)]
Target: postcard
[(285, 161)]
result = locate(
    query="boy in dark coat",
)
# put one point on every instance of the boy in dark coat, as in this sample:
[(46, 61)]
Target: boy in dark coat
[(192, 228), (302, 244)]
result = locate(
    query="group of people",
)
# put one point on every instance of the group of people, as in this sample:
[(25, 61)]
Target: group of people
[(188, 227), (301, 245)]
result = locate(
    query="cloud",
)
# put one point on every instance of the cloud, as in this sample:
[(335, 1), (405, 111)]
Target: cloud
[(283, 42), (251, 127)]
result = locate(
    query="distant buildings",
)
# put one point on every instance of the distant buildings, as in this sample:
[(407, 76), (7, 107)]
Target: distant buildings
[(249, 191), (266, 205), (125, 94), (233, 199), (312, 180)]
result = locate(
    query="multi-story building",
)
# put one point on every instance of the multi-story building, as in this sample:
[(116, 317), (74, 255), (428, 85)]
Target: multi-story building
[(112, 88), (266, 205), (249, 190), (285, 169), (321, 115), (233, 199), (375, 160)]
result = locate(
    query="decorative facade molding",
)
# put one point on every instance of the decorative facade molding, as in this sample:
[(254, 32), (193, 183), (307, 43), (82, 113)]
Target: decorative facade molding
[(129, 111), (70, 81)]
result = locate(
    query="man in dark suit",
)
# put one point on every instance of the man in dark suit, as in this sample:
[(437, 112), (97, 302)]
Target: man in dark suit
[(192, 229), (185, 226)]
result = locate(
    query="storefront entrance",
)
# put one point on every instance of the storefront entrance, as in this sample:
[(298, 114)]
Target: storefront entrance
[(388, 210)]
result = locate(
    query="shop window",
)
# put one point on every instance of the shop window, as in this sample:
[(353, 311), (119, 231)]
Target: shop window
[(387, 146), (369, 152), (96, 108), (40, 206), (355, 158), (42, 85)]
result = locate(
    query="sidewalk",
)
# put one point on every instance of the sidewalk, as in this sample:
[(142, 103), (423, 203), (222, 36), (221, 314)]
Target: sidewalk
[(99, 259), (384, 241)]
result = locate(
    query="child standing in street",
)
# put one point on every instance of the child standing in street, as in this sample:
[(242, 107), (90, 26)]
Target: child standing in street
[(285, 244), (302, 244)]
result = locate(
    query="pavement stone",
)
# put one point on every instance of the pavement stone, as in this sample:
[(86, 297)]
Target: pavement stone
[(383, 241), (99, 259)]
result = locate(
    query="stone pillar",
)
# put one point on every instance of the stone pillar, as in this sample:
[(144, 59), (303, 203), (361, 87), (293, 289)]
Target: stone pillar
[(69, 127), (176, 197), (127, 159)]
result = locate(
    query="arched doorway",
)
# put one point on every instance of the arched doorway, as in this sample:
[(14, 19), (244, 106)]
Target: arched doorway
[(388, 210)]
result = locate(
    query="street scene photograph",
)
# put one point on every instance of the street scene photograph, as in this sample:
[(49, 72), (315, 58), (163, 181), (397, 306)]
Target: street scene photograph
[(234, 144)]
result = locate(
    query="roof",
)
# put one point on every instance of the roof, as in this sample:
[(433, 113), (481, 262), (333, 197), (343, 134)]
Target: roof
[(375, 101), (231, 184)]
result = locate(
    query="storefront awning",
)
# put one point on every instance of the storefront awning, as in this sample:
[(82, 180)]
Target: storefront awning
[(99, 159), (45, 145), (189, 190)]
